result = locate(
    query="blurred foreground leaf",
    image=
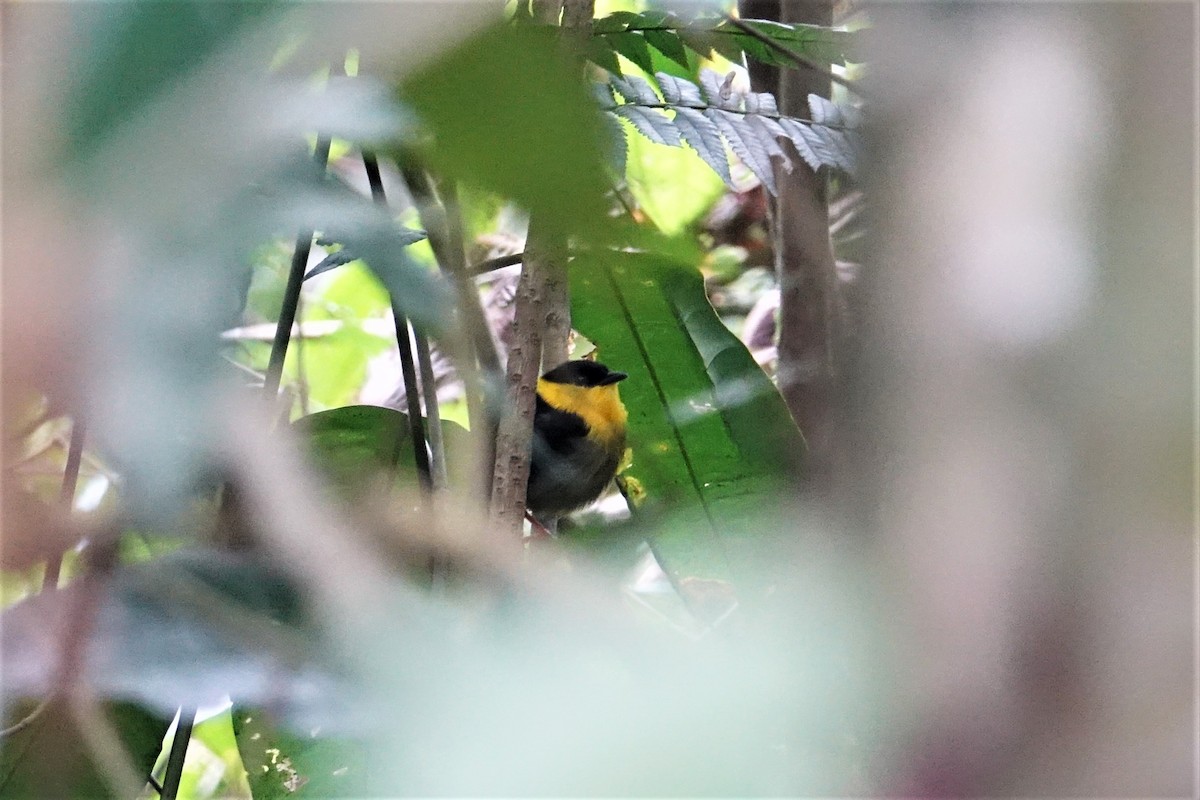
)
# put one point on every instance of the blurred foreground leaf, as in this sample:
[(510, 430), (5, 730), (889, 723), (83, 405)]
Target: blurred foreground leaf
[(139, 50), (355, 445), (50, 757), (509, 112), (709, 431), (184, 629)]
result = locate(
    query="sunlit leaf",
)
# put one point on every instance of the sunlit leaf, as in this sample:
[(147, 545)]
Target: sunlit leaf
[(281, 763), (709, 432)]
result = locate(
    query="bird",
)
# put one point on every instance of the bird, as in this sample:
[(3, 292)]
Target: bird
[(578, 438)]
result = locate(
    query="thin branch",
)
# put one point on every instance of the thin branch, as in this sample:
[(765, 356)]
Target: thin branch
[(496, 263), (291, 294), (441, 222), (479, 384), (801, 61), (27, 720), (178, 754), (416, 422), (437, 446), (66, 495)]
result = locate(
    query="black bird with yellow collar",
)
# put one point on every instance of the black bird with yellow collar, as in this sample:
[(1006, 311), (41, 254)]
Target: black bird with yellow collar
[(578, 437)]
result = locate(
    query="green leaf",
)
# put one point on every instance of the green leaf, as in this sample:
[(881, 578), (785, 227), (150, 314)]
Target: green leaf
[(508, 113), (600, 52), (283, 764), (669, 44), (672, 185), (632, 46), (184, 629), (709, 432), (616, 21), (51, 758), (356, 446), (814, 42)]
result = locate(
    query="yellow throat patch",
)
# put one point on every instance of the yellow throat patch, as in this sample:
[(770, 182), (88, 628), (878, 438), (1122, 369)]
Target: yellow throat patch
[(599, 406)]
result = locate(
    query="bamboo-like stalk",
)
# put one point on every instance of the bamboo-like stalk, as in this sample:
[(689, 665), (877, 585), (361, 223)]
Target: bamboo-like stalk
[(291, 293), (416, 422)]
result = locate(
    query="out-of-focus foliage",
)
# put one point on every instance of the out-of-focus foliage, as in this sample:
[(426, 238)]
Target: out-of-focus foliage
[(508, 112), (51, 756)]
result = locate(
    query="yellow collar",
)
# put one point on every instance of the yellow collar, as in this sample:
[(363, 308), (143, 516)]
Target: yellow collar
[(599, 406)]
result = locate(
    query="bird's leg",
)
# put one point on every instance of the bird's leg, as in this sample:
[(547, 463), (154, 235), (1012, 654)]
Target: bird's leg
[(539, 531)]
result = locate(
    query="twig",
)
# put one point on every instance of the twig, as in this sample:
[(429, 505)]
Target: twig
[(291, 293), (66, 496), (28, 719), (443, 225), (408, 372), (496, 263), (178, 754), (104, 745), (790, 54)]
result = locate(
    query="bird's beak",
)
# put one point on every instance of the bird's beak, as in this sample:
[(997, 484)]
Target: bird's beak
[(613, 377)]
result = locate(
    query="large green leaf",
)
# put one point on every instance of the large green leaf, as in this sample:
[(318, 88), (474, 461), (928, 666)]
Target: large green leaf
[(281, 763), (709, 432), (356, 446)]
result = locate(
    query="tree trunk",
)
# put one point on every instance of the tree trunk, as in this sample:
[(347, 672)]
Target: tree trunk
[(809, 365)]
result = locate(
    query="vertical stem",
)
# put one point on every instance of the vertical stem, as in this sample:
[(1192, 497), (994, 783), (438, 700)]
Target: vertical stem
[(577, 27), (178, 754), (437, 446), (443, 223), (291, 294), (510, 475), (416, 424), (810, 351), (66, 495)]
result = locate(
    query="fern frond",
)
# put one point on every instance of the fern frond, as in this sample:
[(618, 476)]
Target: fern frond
[(705, 139), (744, 141), (749, 122), (677, 91), (651, 123), (635, 90)]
